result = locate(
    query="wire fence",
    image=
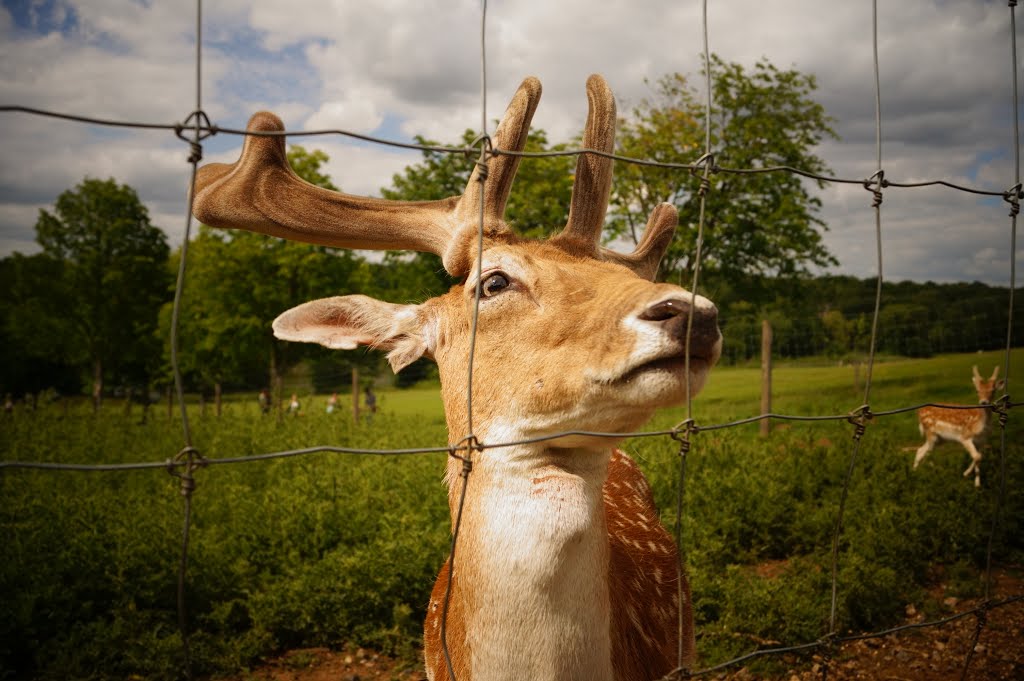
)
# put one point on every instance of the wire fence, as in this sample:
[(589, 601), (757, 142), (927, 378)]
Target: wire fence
[(188, 460)]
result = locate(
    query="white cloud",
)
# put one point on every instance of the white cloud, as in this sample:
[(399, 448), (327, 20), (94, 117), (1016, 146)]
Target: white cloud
[(400, 68)]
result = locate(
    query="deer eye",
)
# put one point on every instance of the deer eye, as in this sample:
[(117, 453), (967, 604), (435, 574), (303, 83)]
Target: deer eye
[(494, 284)]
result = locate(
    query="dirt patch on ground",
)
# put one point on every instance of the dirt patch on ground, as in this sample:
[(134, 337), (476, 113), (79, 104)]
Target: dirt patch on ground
[(931, 654)]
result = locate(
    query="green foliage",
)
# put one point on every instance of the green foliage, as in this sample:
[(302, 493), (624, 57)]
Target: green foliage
[(319, 550), (331, 549), (830, 316), (38, 354), (102, 267), (754, 223)]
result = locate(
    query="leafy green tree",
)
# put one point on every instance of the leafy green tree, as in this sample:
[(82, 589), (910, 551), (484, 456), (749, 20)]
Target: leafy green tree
[(111, 279), (763, 223)]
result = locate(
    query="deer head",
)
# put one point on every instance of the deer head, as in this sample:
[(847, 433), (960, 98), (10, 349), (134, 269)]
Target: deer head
[(571, 335), (986, 388)]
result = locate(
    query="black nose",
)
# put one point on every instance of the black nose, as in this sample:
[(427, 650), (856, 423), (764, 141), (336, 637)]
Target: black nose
[(674, 314)]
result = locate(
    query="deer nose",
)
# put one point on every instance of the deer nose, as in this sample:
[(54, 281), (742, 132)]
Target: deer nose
[(673, 315)]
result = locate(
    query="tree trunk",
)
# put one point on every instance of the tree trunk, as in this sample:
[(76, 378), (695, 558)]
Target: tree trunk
[(216, 398), (97, 384), (202, 403), (129, 393)]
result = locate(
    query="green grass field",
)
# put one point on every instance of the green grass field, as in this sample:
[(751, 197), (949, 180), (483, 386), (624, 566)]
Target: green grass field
[(326, 549)]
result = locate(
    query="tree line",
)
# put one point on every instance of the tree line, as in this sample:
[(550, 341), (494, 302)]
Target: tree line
[(91, 312)]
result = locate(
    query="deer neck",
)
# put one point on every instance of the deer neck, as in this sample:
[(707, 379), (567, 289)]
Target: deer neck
[(531, 567)]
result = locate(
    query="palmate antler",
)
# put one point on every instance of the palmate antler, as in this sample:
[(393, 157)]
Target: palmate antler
[(261, 193)]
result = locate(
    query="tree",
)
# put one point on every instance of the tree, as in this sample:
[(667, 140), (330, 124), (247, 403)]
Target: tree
[(111, 278), (755, 224)]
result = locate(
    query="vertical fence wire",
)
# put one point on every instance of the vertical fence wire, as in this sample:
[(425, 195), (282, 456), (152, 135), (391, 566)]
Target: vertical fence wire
[(1013, 197), (684, 439), (860, 418), (470, 438), (188, 453)]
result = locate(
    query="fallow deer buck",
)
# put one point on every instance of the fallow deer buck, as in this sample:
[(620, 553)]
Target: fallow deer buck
[(960, 425), (563, 569)]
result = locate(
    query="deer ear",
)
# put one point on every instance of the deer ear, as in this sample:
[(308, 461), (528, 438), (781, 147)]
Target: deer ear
[(346, 322)]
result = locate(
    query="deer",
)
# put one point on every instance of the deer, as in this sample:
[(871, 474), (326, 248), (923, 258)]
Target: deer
[(962, 424), (564, 569)]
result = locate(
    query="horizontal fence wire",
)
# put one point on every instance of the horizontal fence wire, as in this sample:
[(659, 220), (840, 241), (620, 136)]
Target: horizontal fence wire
[(183, 465), (999, 408), (471, 152)]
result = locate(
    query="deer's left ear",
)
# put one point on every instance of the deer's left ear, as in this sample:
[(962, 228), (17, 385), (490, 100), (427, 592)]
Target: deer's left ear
[(346, 322)]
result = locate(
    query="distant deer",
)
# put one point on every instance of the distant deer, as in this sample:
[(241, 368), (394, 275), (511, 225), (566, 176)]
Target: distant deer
[(563, 568), (959, 425)]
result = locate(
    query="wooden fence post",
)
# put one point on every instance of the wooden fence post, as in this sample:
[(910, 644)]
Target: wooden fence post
[(766, 376)]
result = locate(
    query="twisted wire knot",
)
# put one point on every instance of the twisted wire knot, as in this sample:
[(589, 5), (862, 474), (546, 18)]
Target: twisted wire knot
[(472, 445), (879, 181), (859, 419), (707, 162), (1002, 408), (704, 188), (1012, 196), (191, 459), (486, 152), (199, 124), (683, 438)]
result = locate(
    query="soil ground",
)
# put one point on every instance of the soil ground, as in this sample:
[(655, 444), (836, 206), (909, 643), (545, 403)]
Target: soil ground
[(930, 654)]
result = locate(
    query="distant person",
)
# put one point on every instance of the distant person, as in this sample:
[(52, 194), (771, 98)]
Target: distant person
[(332, 402), (371, 402), (293, 406), (264, 400)]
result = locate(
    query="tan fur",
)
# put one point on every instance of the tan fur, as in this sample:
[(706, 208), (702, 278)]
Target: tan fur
[(959, 425)]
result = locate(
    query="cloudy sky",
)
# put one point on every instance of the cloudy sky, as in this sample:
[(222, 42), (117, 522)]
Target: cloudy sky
[(395, 69)]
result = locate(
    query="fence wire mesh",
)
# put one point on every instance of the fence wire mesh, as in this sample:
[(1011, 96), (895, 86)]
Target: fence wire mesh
[(184, 464)]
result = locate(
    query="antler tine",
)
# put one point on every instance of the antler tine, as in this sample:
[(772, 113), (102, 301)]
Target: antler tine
[(995, 374), (592, 186), (261, 193), (510, 135), (657, 236)]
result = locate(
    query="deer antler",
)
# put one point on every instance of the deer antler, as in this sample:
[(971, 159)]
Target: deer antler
[(592, 189), (261, 193)]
